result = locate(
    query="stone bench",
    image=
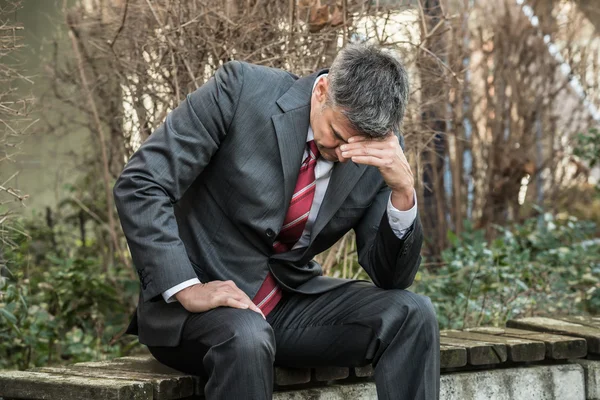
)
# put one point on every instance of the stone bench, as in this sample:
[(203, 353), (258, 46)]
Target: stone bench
[(533, 358)]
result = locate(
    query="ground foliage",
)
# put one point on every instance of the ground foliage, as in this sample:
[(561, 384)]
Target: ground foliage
[(67, 290), (545, 266), (57, 305)]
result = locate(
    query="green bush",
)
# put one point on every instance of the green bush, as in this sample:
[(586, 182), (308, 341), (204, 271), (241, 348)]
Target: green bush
[(540, 267), (62, 300), (56, 302), (587, 147)]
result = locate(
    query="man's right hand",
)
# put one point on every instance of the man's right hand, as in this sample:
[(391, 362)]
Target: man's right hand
[(206, 296)]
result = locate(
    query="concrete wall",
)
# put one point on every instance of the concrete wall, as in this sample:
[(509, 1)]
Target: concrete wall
[(576, 381)]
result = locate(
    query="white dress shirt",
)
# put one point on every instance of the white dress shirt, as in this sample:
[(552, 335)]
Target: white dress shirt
[(400, 221)]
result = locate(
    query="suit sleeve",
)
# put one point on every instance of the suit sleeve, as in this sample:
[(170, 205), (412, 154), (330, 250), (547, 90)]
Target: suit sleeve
[(392, 263), (160, 172)]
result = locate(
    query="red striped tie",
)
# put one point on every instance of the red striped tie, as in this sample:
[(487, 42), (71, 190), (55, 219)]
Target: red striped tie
[(270, 293)]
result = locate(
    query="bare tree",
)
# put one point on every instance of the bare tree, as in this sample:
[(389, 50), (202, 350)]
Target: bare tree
[(135, 60), (484, 122), (14, 120), (503, 111)]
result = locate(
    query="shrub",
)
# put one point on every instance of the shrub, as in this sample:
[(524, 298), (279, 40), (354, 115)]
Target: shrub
[(56, 303), (543, 266)]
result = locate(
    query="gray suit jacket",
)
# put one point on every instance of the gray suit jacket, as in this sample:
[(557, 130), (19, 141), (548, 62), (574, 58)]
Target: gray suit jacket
[(205, 196)]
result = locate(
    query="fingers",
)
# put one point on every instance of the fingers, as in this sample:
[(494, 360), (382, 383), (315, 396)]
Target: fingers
[(258, 310), (233, 303), (381, 141), (366, 151), (378, 153), (390, 144), (380, 158), (384, 154), (229, 284), (204, 297), (246, 300), (231, 289), (371, 160)]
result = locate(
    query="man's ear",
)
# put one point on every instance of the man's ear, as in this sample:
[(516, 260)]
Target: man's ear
[(321, 89)]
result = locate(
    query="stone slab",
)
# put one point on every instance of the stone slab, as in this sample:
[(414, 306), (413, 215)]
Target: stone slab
[(558, 347), (591, 370), (364, 372), (165, 386), (291, 376), (452, 356), (478, 352), (145, 364), (557, 382), (45, 386), (326, 374), (551, 325), (593, 322), (141, 364), (518, 350)]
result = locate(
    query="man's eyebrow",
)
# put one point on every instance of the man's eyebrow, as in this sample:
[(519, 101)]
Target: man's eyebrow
[(337, 135)]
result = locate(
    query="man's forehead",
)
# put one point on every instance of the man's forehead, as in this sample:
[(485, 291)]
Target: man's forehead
[(342, 124)]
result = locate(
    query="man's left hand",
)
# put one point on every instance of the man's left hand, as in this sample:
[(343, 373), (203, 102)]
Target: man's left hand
[(387, 155)]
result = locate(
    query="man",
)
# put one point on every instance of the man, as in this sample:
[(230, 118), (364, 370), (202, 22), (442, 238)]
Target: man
[(226, 204)]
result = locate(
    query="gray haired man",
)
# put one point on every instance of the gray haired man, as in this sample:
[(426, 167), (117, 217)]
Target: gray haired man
[(226, 204)]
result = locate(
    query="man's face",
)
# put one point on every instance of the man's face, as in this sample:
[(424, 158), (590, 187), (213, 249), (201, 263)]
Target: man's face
[(330, 127)]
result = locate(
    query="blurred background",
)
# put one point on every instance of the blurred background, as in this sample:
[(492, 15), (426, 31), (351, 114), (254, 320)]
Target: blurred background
[(502, 134)]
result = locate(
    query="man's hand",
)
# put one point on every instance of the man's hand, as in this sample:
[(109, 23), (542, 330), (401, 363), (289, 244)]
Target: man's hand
[(206, 296), (387, 155)]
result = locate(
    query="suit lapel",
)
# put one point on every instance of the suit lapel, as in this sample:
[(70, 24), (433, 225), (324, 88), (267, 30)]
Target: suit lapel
[(342, 182), (343, 179), (291, 129)]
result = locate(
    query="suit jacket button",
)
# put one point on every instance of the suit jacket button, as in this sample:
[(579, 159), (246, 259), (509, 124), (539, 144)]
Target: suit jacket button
[(270, 234)]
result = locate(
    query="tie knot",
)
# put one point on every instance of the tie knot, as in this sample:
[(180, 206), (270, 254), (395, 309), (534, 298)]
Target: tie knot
[(313, 149)]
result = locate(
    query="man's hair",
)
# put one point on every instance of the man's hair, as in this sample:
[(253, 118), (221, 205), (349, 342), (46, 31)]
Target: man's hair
[(369, 85)]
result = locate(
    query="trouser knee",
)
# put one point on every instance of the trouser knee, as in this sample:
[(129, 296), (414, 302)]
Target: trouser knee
[(415, 311), (251, 340), (425, 312)]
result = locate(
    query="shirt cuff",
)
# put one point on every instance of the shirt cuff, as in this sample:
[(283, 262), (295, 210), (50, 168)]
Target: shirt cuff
[(401, 221), (169, 294)]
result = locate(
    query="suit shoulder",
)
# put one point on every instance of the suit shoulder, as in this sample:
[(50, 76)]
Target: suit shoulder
[(260, 82), (254, 69)]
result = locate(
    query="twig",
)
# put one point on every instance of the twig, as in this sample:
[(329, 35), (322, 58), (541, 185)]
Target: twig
[(112, 43), (13, 193), (102, 140), (433, 31), (9, 179), (12, 228), (469, 294), (89, 212), (422, 13), (176, 80), (345, 19), (173, 46), (439, 60)]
